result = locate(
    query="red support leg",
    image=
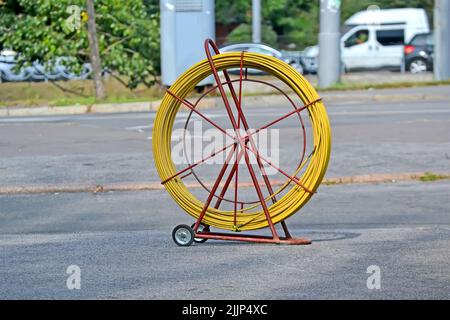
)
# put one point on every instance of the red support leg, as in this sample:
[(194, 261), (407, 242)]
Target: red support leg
[(213, 190), (228, 181)]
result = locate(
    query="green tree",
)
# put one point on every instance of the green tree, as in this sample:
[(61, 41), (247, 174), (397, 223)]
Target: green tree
[(295, 21), (284, 21), (236, 11), (43, 30), (243, 33)]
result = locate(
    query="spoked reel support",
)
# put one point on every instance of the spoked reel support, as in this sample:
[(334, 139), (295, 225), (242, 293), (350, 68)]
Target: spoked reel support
[(200, 231)]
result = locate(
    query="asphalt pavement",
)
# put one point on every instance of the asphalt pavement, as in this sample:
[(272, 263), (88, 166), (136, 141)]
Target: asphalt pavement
[(368, 137), (121, 240), (122, 244)]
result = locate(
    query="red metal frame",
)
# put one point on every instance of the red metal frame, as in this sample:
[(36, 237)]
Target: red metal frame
[(241, 145), (297, 111)]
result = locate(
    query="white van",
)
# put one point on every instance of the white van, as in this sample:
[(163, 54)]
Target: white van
[(375, 38)]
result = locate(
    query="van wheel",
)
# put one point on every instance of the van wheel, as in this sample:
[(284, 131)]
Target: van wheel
[(418, 66)]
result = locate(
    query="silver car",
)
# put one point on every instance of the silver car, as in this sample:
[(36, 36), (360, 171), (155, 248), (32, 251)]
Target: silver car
[(259, 48)]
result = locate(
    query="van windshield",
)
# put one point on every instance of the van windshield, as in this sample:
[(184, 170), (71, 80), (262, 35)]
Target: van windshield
[(347, 27), (359, 37)]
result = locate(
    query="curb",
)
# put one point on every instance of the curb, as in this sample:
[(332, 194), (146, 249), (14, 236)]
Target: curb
[(208, 103), (80, 109), (148, 186)]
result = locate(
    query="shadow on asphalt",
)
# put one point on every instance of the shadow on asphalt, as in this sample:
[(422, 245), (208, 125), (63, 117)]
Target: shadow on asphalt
[(332, 236), (319, 236)]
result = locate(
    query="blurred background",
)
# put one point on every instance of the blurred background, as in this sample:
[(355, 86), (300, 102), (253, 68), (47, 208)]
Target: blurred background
[(48, 47)]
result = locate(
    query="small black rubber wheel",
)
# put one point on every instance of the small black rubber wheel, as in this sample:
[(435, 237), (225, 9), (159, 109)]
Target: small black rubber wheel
[(202, 227), (183, 235)]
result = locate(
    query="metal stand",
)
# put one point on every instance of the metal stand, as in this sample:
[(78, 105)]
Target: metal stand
[(184, 235), (254, 238)]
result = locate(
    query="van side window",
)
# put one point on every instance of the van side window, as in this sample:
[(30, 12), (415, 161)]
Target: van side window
[(391, 37), (359, 37)]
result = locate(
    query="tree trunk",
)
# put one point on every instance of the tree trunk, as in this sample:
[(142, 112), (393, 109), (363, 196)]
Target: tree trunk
[(96, 63)]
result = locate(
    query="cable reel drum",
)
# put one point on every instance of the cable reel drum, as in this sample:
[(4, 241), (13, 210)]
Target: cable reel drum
[(224, 207)]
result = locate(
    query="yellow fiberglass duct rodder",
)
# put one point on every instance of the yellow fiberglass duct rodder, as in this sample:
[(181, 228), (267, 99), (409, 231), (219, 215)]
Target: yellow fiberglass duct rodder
[(291, 195)]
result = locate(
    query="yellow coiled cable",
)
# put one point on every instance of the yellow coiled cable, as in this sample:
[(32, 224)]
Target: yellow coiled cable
[(293, 199)]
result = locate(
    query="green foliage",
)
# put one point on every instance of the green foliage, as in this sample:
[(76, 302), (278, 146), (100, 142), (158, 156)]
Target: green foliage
[(128, 34), (295, 21), (284, 21), (243, 33), (429, 176), (236, 11)]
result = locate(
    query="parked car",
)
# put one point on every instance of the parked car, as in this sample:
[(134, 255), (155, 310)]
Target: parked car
[(295, 59), (37, 71), (310, 59), (419, 53), (264, 49), (411, 20), (375, 39)]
